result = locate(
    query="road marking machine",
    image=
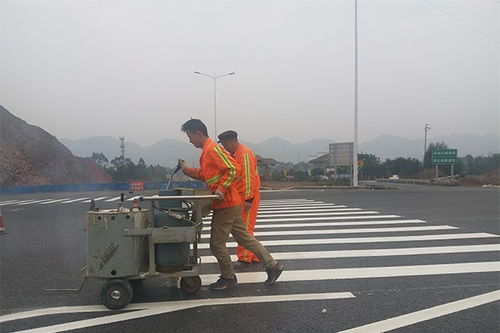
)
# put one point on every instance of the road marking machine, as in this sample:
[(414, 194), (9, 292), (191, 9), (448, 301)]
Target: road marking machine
[(128, 245)]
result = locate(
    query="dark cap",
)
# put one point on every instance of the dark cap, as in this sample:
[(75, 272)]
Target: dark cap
[(227, 135)]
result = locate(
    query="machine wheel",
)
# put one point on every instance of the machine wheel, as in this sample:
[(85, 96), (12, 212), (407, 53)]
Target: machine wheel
[(191, 284), (116, 294)]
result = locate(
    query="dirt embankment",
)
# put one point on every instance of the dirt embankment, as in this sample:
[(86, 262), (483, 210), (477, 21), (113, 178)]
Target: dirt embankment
[(31, 156)]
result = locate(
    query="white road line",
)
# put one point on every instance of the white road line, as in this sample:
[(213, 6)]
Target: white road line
[(15, 202), (165, 307), (8, 202), (321, 214), (372, 252), (329, 224), (96, 199), (313, 204), (113, 199), (364, 272), (302, 208), (133, 198), (328, 218), (74, 200), (266, 218), (53, 201), (33, 202), (426, 314), (287, 200), (294, 211), (357, 240), (345, 231)]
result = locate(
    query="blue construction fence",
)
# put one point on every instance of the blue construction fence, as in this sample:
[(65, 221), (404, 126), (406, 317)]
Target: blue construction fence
[(96, 187)]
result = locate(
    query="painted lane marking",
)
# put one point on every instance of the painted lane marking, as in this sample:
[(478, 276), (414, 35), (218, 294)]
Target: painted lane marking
[(32, 202), (166, 307), (287, 200), (345, 231), (308, 211), (96, 199), (330, 218), (329, 224), (134, 198), (74, 200), (302, 208), (327, 218), (388, 239), (269, 217), (9, 202), (426, 314), (313, 204), (372, 252), (322, 214), (364, 272), (15, 202), (113, 199), (53, 201)]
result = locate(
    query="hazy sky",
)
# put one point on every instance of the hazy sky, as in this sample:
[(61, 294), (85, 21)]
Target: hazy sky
[(80, 68)]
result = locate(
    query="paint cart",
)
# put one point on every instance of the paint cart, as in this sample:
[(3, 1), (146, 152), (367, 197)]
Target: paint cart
[(128, 245)]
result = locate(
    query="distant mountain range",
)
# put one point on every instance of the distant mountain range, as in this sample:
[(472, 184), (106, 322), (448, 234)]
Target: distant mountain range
[(166, 152)]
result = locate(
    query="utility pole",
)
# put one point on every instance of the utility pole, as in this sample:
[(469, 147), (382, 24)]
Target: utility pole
[(427, 127), (355, 141), (122, 145)]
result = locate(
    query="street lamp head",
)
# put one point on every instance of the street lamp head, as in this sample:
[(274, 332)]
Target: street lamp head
[(197, 72), (232, 73)]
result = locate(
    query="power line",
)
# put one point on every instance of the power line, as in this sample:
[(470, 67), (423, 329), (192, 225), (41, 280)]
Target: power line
[(461, 21)]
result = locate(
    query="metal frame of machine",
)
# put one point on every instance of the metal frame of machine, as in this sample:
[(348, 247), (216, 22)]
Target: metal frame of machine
[(117, 291)]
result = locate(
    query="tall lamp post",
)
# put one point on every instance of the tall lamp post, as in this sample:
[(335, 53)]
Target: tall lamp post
[(215, 77), (355, 141)]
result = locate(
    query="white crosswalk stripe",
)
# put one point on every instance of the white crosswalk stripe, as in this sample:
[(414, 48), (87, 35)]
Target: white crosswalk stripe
[(74, 200), (53, 201), (279, 220), (96, 199)]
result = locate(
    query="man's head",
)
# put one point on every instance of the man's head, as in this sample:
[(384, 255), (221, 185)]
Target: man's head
[(196, 132), (229, 139)]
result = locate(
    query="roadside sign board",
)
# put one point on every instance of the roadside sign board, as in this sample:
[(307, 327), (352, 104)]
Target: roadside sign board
[(341, 154), (444, 156), (361, 163)]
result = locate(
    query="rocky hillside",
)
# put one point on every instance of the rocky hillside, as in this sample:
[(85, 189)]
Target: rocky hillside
[(31, 156)]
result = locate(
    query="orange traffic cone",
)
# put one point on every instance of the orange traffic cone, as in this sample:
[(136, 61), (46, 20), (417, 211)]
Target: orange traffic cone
[(2, 226)]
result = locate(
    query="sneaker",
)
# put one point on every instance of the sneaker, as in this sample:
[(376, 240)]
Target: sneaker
[(223, 283), (273, 274)]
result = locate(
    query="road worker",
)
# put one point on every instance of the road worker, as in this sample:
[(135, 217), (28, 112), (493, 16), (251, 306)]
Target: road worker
[(248, 189), (219, 172)]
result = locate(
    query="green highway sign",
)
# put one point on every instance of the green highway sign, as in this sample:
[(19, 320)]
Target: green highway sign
[(444, 156)]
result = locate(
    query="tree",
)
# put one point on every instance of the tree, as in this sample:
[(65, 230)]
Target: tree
[(100, 160), (404, 167), (372, 167)]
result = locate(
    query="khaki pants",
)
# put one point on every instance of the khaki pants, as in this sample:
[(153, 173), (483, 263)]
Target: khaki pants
[(224, 222)]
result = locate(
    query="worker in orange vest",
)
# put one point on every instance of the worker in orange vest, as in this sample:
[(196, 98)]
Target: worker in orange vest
[(219, 172), (248, 189)]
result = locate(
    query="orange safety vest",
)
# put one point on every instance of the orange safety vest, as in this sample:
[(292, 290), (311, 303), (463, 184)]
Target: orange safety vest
[(250, 180), (220, 172)]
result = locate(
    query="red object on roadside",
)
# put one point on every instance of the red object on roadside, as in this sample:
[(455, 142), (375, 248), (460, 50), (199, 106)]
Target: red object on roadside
[(2, 226), (137, 186)]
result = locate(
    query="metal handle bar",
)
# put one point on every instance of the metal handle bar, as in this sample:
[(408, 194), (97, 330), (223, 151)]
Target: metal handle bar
[(180, 197)]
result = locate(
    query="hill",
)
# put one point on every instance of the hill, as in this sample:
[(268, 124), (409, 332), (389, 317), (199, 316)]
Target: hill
[(31, 156)]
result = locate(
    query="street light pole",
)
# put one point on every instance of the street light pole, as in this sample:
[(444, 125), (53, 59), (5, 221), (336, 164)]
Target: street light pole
[(355, 143), (214, 77)]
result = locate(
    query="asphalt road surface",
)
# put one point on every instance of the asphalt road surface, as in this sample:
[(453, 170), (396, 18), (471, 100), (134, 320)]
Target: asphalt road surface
[(412, 259)]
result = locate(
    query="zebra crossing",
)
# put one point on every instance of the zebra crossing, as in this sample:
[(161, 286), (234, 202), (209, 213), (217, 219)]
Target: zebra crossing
[(292, 229)]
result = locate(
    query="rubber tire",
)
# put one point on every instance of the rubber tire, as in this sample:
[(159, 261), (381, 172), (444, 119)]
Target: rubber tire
[(116, 285), (190, 285)]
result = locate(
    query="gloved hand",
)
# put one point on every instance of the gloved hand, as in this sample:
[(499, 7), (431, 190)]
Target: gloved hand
[(220, 194), (247, 205)]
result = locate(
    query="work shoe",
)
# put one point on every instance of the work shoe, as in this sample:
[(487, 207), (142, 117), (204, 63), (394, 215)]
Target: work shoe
[(273, 274), (223, 283)]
